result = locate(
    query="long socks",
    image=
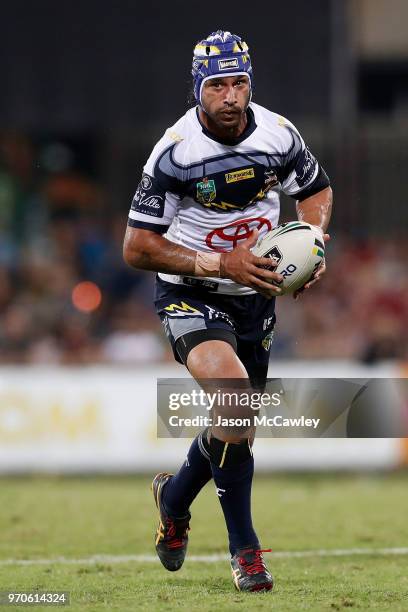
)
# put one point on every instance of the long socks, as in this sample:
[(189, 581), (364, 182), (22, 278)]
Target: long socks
[(183, 487)]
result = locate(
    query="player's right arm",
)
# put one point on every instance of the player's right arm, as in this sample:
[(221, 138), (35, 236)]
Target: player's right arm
[(147, 250)]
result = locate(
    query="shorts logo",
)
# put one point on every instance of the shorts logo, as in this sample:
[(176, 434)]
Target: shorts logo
[(218, 315), (227, 64), (206, 191), (267, 341), (239, 175), (223, 239), (267, 323), (182, 310)]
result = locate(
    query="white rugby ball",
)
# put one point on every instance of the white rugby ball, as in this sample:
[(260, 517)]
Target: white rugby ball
[(299, 249)]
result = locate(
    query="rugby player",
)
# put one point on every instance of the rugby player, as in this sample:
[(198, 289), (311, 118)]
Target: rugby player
[(209, 189)]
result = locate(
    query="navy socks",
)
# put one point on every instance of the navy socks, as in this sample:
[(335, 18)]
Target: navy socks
[(234, 491), (183, 487), (233, 486)]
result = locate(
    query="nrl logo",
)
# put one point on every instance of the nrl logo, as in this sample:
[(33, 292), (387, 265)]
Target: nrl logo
[(206, 191)]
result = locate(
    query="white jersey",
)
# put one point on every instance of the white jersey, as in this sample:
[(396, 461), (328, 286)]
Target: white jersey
[(207, 195)]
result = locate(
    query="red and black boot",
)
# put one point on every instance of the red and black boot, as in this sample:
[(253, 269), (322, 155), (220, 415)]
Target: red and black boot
[(249, 571), (171, 537)]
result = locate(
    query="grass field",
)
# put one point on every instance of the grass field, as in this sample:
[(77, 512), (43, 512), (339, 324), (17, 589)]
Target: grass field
[(46, 518)]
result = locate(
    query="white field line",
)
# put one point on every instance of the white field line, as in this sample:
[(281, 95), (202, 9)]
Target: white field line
[(336, 552)]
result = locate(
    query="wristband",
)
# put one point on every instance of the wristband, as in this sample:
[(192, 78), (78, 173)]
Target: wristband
[(207, 264)]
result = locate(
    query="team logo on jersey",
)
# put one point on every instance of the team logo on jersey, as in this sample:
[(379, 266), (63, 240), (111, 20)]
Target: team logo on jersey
[(239, 175), (182, 310), (206, 191), (271, 180)]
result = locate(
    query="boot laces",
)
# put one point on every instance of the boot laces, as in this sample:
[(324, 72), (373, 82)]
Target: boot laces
[(256, 564), (176, 533)]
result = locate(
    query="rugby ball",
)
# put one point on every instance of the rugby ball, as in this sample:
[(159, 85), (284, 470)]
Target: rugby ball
[(299, 249)]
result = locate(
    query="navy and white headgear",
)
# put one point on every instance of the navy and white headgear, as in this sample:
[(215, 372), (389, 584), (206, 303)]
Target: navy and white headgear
[(220, 54)]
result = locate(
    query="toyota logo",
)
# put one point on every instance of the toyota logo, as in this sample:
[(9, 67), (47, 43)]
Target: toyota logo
[(234, 232)]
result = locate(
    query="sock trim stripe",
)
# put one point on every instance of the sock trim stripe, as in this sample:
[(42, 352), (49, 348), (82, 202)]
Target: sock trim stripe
[(202, 447), (224, 454)]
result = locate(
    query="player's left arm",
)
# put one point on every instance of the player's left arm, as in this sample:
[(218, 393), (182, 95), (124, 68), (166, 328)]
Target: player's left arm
[(305, 180), (316, 210)]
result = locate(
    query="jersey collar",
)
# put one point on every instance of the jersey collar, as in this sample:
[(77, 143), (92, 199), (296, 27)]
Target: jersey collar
[(249, 128)]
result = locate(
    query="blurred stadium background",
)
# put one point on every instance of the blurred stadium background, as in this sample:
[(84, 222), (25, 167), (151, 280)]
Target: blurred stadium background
[(85, 94), (86, 91)]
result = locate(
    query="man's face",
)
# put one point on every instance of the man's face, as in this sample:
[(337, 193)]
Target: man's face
[(225, 99)]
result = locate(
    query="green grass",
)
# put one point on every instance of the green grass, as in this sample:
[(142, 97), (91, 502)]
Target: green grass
[(44, 518)]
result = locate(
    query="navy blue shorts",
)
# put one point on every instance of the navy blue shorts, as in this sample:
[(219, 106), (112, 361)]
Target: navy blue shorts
[(193, 314)]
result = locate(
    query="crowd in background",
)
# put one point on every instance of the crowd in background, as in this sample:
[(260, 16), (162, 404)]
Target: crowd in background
[(58, 228)]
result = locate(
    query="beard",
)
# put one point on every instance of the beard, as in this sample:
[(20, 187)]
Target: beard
[(227, 118)]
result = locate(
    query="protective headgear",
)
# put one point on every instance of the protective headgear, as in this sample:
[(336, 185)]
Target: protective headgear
[(220, 54)]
